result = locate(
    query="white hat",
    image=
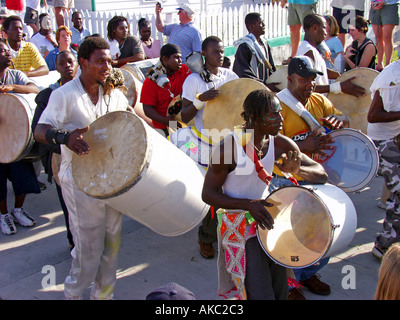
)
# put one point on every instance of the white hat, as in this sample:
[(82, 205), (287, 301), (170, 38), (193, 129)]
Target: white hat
[(186, 8)]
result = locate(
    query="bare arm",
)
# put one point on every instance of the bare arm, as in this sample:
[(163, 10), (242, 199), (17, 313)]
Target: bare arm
[(41, 71), (159, 22), (19, 88), (377, 113)]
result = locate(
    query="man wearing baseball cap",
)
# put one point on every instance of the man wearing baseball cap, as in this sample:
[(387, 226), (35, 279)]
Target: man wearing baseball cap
[(305, 115), (184, 34)]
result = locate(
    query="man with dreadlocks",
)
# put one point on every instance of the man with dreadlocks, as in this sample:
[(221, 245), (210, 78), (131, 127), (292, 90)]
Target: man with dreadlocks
[(232, 168), (157, 94), (124, 47), (95, 227)]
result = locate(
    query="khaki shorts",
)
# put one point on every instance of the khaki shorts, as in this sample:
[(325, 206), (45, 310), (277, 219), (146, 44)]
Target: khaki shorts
[(64, 3), (389, 14), (297, 12)]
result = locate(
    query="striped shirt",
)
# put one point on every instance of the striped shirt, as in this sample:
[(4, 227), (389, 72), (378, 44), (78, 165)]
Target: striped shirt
[(27, 57), (186, 37), (78, 37)]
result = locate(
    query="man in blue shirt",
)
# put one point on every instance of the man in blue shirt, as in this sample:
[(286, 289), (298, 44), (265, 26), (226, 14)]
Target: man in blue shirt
[(79, 33), (184, 34)]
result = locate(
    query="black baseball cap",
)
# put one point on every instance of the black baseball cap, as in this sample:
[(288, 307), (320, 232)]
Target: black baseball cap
[(302, 66)]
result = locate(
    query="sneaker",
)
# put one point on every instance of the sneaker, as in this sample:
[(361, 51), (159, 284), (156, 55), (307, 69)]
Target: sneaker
[(22, 217), (381, 205), (316, 286), (378, 252), (7, 224)]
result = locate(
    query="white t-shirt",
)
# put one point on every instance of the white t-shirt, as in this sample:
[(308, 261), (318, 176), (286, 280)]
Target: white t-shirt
[(388, 85), (44, 45), (194, 84), (70, 108), (34, 4), (319, 62)]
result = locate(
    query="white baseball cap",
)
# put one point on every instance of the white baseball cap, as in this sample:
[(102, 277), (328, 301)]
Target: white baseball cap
[(186, 8)]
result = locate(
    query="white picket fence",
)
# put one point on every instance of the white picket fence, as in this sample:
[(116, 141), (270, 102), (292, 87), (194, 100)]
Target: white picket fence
[(226, 23)]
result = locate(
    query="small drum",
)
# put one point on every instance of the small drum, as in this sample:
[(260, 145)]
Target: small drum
[(224, 112), (16, 137), (138, 172), (356, 109), (353, 162), (280, 76), (310, 222), (132, 91), (139, 68), (175, 108), (193, 143)]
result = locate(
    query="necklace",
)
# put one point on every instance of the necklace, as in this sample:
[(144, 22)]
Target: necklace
[(260, 152)]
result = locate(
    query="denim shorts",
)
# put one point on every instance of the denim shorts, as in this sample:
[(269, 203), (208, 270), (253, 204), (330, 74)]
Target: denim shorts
[(389, 14), (22, 176)]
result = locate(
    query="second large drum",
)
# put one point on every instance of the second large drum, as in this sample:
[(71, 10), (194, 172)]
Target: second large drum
[(138, 172)]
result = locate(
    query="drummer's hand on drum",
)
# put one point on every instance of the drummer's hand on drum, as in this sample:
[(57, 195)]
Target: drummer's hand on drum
[(259, 212), (76, 142), (351, 88), (209, 94), (290, 162), (315, 143), (334, 121)]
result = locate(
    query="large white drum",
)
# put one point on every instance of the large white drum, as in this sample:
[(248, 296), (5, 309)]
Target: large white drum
[(279, 76), (16, 137), (310, 222), (353, 163), (43, 82), (140, 68), (138, 172)]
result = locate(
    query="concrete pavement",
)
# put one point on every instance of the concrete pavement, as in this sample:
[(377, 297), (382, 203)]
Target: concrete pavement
[(30, 258)]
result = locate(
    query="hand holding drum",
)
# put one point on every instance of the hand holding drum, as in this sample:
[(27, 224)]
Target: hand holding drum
[(76, 142)]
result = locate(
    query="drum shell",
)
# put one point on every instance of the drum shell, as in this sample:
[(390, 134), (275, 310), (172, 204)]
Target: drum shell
[(341, 215), (16, 114), (166, 195), (355, 161)]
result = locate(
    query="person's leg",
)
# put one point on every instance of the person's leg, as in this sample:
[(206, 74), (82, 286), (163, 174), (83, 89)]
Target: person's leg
[(59, 14), (387, 38), (207, 234), (378, 32)]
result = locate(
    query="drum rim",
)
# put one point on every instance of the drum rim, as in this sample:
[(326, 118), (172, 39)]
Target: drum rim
[(374, 152), (29, 134), (142, 169), (311, 189)]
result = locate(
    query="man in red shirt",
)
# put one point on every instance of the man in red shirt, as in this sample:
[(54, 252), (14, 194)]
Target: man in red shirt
[(162, 85)]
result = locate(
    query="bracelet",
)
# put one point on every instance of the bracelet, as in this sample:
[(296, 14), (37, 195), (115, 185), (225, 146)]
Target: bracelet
[(198, 104), (57, 137), (335, 88)]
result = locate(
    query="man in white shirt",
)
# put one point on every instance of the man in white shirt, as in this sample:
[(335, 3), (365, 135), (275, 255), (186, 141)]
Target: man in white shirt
[(44, 39), (197, 90), (315, 32), (70, 110), (384, 128)]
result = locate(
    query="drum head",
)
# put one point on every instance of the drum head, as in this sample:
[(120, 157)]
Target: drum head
[(15, 127), (302, 228), (354, 161), (118, 154), (130, 85), (279, 75), (224, 112), (356, 109)]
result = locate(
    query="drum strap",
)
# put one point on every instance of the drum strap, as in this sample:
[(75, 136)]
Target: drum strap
[(261, 172)]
